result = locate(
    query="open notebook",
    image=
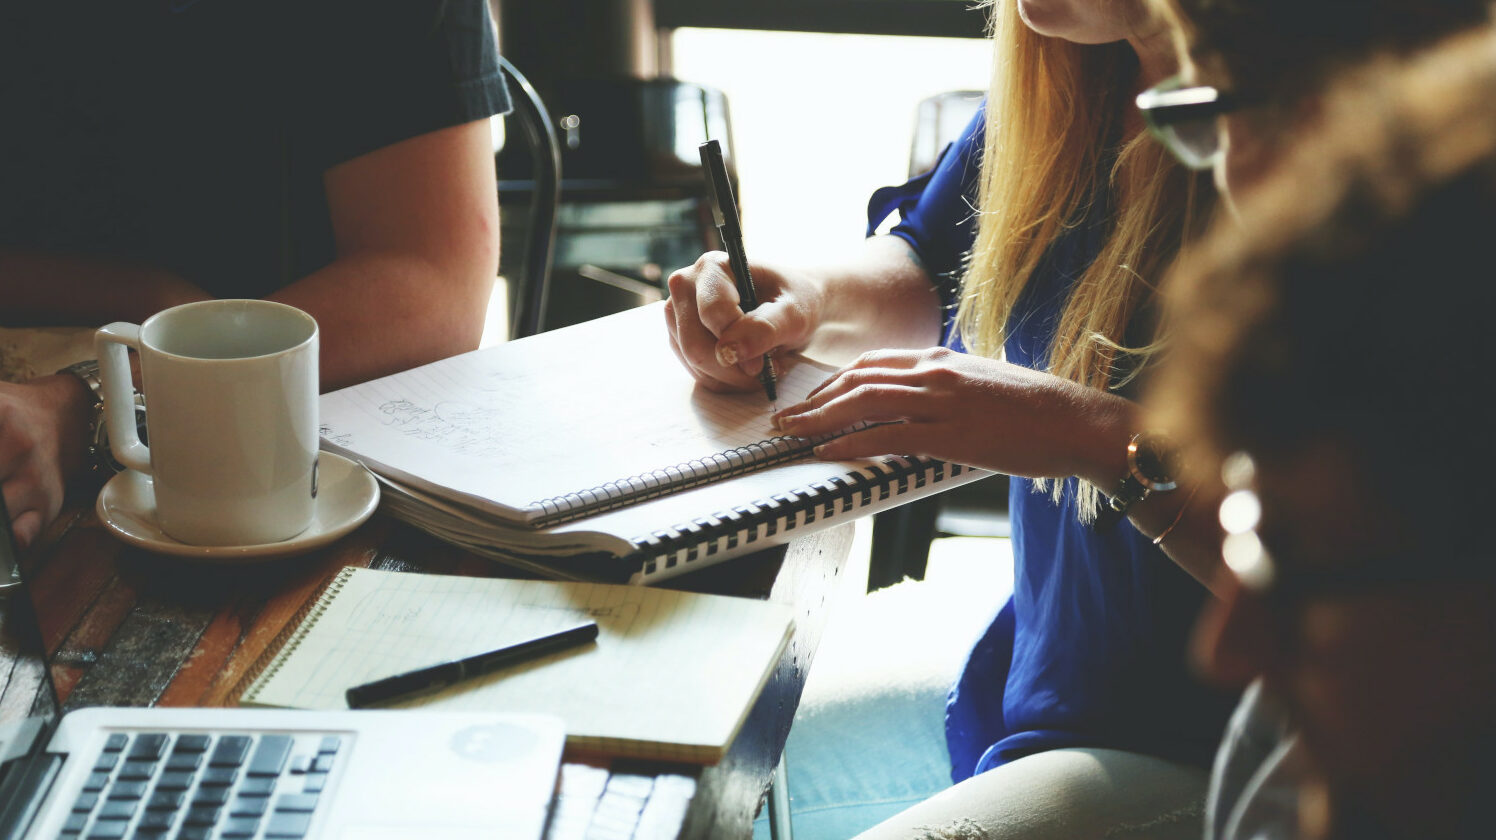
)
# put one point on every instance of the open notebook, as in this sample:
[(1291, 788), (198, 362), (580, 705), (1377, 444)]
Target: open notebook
[(671, 676), (589, 453)]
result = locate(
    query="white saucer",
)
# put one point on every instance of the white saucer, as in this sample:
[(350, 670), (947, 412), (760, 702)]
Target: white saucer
[(347, 496)]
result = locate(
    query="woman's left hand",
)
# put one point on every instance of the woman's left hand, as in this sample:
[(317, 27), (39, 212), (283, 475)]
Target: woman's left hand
[(968, 409)]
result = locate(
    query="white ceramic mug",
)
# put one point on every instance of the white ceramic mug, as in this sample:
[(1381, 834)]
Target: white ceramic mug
[(231, 415)]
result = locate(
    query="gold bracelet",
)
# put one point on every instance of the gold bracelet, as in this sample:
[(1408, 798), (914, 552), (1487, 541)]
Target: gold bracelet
[(1177, 517)]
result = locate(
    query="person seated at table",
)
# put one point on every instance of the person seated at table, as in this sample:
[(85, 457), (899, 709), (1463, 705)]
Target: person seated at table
[(1064, 666), (336, 157), (1075, 707), (1331, 354)]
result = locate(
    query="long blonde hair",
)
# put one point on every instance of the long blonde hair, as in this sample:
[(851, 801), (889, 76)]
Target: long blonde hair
[(1053, 111)]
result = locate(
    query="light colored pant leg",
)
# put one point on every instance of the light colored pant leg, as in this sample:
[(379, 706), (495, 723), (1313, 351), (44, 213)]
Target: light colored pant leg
[(1073, 794)]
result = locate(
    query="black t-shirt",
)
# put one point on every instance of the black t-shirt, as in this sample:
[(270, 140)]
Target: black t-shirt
[(193, 134)]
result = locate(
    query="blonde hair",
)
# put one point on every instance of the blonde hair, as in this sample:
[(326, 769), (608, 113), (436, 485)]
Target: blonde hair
[(1053, 110)]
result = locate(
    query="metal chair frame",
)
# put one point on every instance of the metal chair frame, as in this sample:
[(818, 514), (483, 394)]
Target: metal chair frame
[(532, 285)]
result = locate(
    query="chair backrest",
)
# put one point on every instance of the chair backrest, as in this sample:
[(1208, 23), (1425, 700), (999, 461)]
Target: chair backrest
[(633, 200), (530, 285)]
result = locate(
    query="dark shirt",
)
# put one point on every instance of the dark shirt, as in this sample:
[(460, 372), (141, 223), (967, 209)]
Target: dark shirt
[(1090, 650), (193, 135)]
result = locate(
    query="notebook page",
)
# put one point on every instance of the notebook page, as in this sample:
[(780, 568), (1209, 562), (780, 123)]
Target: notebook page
[(671, 675), (562, 412)]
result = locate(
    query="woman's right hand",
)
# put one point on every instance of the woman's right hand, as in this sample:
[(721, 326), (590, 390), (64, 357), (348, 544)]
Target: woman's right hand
[(719, 344)]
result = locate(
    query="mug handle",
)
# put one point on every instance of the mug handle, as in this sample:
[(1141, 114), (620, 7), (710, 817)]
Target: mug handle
[(111, 343)]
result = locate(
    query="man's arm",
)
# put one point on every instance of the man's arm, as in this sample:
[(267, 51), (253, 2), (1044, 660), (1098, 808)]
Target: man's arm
[(416, 227), (68, 290), (417, 232)]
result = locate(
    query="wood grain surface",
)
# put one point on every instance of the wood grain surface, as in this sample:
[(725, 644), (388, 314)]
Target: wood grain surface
[(120, 626)]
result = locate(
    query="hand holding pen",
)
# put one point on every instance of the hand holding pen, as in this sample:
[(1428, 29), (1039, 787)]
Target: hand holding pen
[(725, 215)]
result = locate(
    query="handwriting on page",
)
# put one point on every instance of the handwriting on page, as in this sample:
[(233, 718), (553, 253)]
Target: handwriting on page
[(546, 418), (469, 429), (457, 427)]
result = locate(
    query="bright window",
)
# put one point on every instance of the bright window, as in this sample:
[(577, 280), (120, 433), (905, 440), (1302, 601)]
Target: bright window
[(820, 121)]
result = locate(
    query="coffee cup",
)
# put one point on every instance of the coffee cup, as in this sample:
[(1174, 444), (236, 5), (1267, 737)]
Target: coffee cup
[(230, 391)]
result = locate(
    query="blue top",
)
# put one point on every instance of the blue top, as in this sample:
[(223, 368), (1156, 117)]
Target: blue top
[(1090, 650)]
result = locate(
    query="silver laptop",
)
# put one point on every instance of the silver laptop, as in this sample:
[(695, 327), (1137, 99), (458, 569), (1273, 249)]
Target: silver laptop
[(247, 774)]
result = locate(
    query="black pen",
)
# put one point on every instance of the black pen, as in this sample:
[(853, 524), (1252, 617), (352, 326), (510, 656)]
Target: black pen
[(444, 674), (725, 214)]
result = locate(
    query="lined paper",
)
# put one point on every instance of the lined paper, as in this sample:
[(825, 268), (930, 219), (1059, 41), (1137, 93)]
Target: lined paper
[(672, 674), (519, 423)]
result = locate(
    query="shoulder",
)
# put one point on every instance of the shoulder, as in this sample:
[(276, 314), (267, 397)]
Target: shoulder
[(394, 70)]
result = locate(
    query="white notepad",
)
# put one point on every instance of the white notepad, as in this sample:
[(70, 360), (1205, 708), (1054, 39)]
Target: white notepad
[(594, 442), (671, 676)]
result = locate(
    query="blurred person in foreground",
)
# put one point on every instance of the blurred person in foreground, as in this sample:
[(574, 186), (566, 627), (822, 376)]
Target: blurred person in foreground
[(1252, 72), (1329, 356)]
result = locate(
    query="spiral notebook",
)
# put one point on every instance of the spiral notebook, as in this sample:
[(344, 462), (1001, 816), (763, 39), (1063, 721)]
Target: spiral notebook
[(589, 453), (672, 675)]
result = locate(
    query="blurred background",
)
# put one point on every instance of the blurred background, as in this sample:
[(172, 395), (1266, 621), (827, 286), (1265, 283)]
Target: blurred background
[(816, 102)]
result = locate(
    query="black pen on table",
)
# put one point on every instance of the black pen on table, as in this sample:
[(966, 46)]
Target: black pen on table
[(725, 214), (454, 671)]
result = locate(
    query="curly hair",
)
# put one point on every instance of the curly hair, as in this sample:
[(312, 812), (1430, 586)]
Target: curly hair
[(1352, 302), (1275, 50)]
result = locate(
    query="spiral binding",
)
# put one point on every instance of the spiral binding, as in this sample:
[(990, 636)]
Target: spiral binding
[(725, 530), (289, 639), (660, 482)]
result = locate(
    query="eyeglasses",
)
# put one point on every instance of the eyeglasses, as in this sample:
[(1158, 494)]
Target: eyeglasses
[(1184, 119)]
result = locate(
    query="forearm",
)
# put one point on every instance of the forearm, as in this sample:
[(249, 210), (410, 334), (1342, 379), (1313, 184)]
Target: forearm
[(382, 313), (1194, 542), (880, 298), (417, 231), (67, 290)]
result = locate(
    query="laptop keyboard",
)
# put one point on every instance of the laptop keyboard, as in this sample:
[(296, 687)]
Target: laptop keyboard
[(197, 786)]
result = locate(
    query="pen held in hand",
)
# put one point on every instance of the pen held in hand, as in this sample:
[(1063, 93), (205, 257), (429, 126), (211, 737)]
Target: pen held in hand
[(443, 674), (725, 216)]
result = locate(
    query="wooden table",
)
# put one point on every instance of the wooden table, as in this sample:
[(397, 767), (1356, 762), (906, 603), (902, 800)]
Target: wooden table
[(124, 627)]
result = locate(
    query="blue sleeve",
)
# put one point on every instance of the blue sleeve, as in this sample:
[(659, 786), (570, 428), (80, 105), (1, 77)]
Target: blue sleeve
[(937, 210)]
